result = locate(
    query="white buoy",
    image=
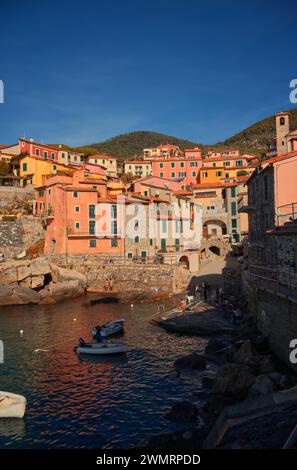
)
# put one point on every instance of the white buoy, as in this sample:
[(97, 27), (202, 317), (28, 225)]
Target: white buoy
[(74, 319), (132, 305), (21, 332)]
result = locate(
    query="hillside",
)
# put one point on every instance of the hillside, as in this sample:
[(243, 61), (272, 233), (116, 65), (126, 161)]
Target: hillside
[(253, 140), (131, 145)]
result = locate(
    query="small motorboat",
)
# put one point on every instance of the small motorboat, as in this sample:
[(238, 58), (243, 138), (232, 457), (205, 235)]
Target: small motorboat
[(101, 348), (12, 405), (110, 328)]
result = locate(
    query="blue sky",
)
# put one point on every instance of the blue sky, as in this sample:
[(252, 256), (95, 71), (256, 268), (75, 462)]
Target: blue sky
[(79, 72)]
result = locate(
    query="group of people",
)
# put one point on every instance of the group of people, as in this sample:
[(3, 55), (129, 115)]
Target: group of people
[(108, 285), (203, 291), (230, 310)]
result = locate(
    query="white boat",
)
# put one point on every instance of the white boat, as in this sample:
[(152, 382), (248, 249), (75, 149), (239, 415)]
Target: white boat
[(12, 405), (102, 349), (110, 328)]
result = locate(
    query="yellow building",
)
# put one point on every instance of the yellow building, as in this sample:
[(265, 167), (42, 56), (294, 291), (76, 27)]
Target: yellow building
[(110, 163), (34, 170), (213, 175)]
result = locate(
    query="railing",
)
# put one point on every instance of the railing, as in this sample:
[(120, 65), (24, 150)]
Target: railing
[(287, 214), (277, 280)]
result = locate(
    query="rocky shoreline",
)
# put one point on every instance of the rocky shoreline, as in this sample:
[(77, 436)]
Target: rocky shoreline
[(250, 394)]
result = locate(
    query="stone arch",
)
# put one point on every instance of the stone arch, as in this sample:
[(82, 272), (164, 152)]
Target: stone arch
[(214, 228), (184, 261)]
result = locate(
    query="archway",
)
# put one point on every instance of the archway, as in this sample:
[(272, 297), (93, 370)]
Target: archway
[(184, 261), (215, 249), (214, 228)]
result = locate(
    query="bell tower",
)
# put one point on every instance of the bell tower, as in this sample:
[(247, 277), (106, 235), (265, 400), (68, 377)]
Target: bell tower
[(282, 125)]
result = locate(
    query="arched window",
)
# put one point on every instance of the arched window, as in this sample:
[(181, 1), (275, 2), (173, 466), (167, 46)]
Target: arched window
[(282, 121)]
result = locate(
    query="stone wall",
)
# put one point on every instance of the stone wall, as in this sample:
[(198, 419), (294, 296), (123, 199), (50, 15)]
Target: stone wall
[(287, 252), (17, 235), (8, 194), (130, 279), (276, 318)]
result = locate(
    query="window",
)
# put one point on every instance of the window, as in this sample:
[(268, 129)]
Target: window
[(37, 152), (177, 226), (63, 155), (143, 254), (218, 173), (136, 209), (282, 121), (194, 173), (75, 159), (45, 154), (77, 208), (177, 244), (54, 167), (182, 164), (161, 175), (172, 165), (114, 227), (151, 242), (24, 166), (92, 209), (233, 191), (103, 162), (92, 224), (77, 225), (136, 223), (113, 211), (53, 156), (136, 239), (226, 164), (145, 193), (234, 223), (233, 208), (92, 243), (75, 194), (164, 226), (161, 165), (205, 174), (114, 243), (41, 192), (214, 165), (173, 175), (238, 163), (130, 255)]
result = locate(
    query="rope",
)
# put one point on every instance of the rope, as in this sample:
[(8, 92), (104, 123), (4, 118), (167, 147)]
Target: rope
[(51, 347)]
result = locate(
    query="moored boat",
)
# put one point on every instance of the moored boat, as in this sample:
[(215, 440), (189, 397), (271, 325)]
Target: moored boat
[(110, 328), (12, 405), (102, 348)]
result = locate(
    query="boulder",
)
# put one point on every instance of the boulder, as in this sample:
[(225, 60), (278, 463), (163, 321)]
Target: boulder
[(56, 292), (233, 380), (8, 275), (62, 274), (37, 281), (214, 345), (247, 355), (262, 386), (23, 295), (40, 266), (207, 382), (183, 412), (192, 361), (23, 272), (5, 293)]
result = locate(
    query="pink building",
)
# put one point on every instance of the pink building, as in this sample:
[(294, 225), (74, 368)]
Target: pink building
[(74, 207), (33, 149), (183, 170), (192, 153)]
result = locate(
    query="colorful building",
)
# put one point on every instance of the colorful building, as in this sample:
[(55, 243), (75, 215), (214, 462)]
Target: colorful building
[(110, 163), (138, 168), (161, 151), (185, 170)]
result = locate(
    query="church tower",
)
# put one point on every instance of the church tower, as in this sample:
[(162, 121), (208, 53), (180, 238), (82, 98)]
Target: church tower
[(282, 124)]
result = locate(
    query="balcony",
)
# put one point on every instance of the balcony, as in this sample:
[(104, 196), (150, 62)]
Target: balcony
[(287, 214), (243, 204)]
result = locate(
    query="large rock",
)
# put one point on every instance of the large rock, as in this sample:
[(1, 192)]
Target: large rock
[(23, 272), (40, 266), (214, 345), (263, 386), (56, 292), (37, 281), (62, 274), (247, 355), (18, 295), (233, 380), (192, 361), (183, 412), (9, 275)]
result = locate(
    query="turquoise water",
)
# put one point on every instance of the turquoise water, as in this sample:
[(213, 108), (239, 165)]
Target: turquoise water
[(87, 402)]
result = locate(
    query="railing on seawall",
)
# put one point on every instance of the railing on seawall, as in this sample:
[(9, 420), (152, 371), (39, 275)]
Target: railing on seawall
[(277, 280)]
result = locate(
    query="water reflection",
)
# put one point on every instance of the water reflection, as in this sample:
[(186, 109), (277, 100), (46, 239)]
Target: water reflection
[(71, 398)]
